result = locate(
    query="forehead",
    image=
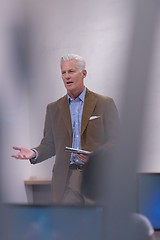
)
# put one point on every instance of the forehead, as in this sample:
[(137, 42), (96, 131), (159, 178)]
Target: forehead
[(70, 64)]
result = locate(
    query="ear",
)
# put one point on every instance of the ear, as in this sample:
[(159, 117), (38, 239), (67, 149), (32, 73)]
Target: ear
[(84, 73)]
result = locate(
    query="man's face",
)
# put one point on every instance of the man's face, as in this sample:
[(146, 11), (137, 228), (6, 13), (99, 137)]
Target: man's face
[(72, 77)]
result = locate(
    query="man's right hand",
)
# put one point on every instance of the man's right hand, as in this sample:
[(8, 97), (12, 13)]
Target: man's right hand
[(24, 153)]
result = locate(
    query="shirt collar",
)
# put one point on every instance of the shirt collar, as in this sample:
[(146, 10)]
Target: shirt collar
[(81, 96)]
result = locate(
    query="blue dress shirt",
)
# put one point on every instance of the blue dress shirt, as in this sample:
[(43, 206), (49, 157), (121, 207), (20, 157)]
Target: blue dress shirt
[(76, 109)]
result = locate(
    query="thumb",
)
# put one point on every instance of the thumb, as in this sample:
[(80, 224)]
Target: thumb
[(17, 148)]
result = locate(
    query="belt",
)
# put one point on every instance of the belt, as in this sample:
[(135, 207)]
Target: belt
[(79, 167)]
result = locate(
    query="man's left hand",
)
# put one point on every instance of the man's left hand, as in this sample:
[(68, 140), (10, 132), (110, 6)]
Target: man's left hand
[(83, 157)]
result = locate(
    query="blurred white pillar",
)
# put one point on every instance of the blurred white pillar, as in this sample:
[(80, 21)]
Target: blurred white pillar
[(121, 193)]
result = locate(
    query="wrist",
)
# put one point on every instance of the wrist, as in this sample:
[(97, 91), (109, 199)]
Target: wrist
[(35, 154)]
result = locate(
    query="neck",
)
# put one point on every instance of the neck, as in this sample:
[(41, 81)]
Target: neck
[(75, 94)]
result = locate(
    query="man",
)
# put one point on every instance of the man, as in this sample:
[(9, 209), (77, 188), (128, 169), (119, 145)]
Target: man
[(81, 119)]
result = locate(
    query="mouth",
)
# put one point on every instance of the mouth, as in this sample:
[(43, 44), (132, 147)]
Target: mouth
[(69, 82)]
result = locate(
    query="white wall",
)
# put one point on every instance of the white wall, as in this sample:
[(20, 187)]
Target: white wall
[(101, 33)]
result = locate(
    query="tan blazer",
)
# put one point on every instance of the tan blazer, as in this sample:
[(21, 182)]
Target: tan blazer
[(99, 126)]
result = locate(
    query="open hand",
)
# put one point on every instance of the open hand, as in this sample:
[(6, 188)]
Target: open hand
[(24, 153)]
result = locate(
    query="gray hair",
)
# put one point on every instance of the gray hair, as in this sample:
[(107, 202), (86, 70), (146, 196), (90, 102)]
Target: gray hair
[(81, 64)]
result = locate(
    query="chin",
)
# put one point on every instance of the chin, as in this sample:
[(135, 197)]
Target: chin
[(70, 88)]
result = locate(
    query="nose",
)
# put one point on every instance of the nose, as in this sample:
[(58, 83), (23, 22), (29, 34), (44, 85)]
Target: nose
[(67, 75)]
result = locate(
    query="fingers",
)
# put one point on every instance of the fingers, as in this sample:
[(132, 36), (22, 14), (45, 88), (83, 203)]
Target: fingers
[(19, 156), (83, 157), (22, 153)]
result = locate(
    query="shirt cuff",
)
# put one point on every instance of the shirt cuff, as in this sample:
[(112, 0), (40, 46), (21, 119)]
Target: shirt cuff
[(35, 158)]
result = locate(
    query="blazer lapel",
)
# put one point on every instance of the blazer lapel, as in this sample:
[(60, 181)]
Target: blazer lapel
[(89, 105), (65, 113), (88, 108)]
